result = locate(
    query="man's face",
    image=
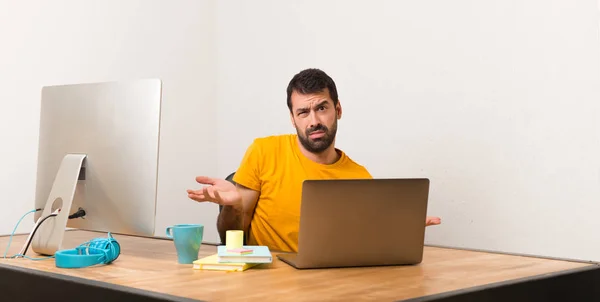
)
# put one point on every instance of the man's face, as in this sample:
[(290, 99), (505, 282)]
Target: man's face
[(315, 118)]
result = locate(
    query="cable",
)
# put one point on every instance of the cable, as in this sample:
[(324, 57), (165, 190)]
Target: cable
[(30, 237), (80, 213), (15, 229), (54, 214), (31, 258)]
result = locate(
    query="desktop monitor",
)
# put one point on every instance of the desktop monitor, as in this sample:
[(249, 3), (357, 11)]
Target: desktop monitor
[(98, 151)]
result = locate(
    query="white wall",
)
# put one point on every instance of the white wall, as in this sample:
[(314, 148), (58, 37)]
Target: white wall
[(62, 42), (495, 101)]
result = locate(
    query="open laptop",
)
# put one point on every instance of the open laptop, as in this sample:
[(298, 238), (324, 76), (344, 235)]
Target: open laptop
[(361, 222)]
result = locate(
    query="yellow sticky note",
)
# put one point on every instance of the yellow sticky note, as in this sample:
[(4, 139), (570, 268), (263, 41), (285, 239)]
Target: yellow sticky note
[(234, 239)]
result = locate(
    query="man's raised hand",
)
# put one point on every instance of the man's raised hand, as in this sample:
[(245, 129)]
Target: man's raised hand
[(216, 190)]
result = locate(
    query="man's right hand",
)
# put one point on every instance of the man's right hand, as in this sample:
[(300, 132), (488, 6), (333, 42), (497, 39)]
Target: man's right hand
[(219, 191)]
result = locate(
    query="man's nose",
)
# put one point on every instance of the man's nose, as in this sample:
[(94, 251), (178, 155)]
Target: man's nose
[(313, 120)]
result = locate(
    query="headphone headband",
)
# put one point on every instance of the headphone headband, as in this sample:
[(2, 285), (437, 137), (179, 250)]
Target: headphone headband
[(93, 252)]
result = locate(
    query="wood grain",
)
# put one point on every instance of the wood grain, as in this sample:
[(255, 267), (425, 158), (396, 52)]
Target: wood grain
[(151, 264)]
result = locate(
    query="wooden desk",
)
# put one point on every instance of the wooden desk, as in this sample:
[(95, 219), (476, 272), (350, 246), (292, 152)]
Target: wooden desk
[(150, 265)]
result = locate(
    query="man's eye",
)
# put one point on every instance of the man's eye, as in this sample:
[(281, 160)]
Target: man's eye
[(321, 108)]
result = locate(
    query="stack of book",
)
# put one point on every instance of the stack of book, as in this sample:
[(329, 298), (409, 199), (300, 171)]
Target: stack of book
[(236, 259)]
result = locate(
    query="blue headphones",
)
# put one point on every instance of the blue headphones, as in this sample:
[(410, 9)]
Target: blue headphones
[(93, 252)]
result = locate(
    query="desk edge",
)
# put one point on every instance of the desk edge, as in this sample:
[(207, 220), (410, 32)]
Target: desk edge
[(95, 283), (499, 284), (591, 262)]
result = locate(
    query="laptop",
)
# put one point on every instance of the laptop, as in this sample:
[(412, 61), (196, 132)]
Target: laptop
[(360, 222)]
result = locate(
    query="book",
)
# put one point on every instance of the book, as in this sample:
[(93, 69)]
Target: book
[(260, 254), (212, 263)]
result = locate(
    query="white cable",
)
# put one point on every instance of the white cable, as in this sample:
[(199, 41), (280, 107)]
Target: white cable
[(30, 237)]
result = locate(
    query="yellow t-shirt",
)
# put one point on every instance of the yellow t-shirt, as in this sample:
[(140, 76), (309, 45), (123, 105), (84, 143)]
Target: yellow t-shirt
[(276, 168)]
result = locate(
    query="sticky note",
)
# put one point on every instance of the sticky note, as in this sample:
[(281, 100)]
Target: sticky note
[(240, 251), (234, 239)]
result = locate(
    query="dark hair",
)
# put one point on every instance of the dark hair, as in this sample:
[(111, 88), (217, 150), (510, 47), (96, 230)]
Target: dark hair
[(311, 80)]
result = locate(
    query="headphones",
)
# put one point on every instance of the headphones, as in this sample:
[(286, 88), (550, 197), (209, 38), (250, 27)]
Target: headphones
[(93, 252)]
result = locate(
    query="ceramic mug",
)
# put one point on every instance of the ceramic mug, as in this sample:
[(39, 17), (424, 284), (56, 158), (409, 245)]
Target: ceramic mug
[(187, 239)]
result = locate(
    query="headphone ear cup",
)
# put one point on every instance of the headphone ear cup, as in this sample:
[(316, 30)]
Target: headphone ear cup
[(115, 247)]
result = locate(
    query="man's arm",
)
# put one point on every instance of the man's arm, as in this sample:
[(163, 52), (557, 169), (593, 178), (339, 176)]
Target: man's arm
[(238, 217)]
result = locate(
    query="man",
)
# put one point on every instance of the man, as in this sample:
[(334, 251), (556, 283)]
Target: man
[(265, 203)]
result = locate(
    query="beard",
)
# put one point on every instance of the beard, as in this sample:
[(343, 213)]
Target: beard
[(318, 145)]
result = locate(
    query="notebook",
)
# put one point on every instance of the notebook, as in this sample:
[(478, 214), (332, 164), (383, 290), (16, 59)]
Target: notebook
[(212, 263), (259, 254)]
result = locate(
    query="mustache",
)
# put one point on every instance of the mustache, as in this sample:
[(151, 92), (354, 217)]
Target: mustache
[(318, 127)]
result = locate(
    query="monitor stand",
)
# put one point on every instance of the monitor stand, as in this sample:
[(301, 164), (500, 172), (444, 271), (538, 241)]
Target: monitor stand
[(49, 235)]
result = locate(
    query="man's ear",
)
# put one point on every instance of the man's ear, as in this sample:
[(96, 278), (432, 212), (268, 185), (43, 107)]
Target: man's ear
[(292, 120), (338, 110)]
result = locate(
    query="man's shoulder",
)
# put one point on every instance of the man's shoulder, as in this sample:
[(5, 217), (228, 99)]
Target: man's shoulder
[(359, 170), (260, 156), (274, 138), (272, 142)]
